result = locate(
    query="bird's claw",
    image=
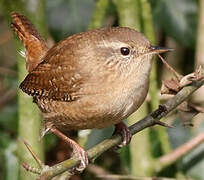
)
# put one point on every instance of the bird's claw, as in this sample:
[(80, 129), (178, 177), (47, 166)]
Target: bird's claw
[(78, 152), (84, 161), (124, 131)]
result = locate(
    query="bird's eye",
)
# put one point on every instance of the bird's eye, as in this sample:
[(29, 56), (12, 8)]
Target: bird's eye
[(125, 51)]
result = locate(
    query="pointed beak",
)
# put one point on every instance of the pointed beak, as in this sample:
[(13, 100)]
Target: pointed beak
[(158, 49)]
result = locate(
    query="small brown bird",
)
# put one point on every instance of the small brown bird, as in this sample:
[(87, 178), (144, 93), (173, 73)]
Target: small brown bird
[(93, 79)]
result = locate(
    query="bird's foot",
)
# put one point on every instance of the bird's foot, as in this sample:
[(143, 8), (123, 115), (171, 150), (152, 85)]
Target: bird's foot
[(123, 130), (78, 151), (81, 154)]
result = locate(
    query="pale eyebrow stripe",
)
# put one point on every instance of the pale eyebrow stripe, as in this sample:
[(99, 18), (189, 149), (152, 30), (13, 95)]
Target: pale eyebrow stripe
[(112, 44)]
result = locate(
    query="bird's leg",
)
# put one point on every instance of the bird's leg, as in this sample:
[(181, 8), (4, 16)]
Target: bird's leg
[(123, 130), (77, 149)]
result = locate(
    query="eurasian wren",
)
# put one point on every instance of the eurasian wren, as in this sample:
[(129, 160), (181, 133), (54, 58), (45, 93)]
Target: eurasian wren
[(93, 79)]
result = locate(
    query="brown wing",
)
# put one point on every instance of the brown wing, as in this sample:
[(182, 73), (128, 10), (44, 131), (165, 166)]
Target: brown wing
[(35, 46), (56, 77)]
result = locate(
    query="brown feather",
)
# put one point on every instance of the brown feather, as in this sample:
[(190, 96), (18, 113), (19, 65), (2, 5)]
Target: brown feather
[(35, 46), (54, 78)]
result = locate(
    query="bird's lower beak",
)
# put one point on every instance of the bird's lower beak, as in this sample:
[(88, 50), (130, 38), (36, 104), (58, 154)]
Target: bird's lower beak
[(158, 49)]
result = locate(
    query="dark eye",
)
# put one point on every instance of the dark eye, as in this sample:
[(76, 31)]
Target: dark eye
[(125, 51)]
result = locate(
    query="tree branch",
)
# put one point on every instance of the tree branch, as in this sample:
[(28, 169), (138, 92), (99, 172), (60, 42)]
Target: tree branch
[(182, 150), (150, 120)]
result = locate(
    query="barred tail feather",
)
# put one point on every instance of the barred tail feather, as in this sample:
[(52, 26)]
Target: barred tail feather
[(35, 46)]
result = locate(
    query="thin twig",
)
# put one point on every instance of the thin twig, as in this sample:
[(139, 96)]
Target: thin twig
[(31, 169), (40, 163), (176, 74), (98, 171), (163, 124), (117, 176), (182, 150)]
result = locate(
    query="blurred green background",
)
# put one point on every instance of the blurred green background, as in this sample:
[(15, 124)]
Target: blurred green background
[(178, 24)]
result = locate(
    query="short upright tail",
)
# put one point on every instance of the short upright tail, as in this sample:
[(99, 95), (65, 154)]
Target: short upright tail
[(35, 46)]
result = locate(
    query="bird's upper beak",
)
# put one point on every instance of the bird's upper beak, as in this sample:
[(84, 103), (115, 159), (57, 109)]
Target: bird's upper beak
[(158, 49)]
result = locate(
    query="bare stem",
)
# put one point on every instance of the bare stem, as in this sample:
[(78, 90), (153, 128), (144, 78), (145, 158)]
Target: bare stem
[(177, 75), (182, 150)]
